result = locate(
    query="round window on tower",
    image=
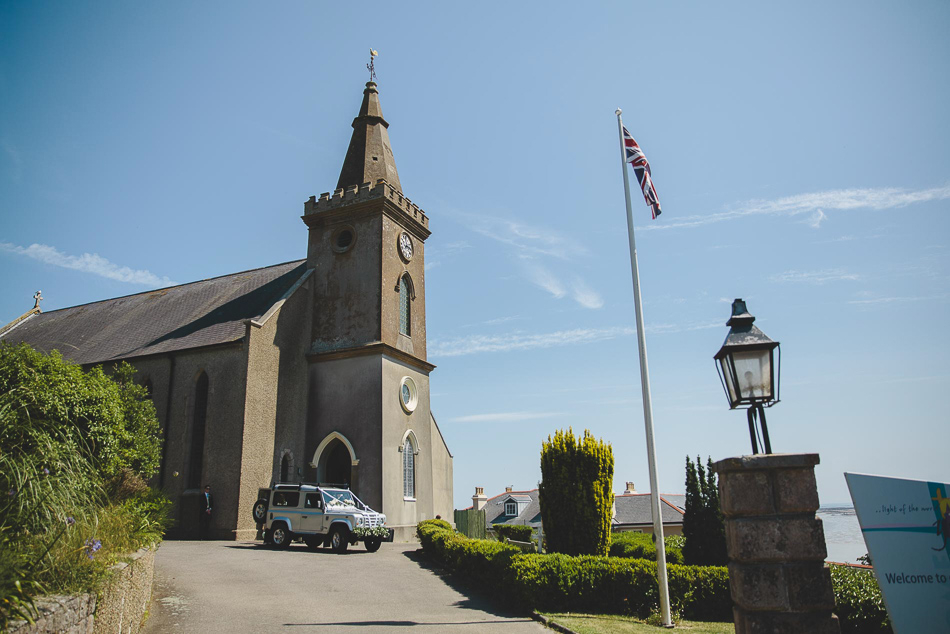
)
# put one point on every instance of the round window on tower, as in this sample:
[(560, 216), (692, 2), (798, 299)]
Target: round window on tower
[(342, 239), (408, 396)]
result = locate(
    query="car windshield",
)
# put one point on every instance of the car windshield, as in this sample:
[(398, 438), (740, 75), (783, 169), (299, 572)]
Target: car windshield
[(339, 498)]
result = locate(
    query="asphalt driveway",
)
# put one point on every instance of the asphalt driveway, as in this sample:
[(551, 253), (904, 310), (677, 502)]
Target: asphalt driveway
[(244, 587)]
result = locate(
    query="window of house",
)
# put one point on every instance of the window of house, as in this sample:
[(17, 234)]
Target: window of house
[(408, 470), (511, 509), (404, 306)]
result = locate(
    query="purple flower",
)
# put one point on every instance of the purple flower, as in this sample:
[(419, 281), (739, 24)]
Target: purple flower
[(91, 547), (12, 493), (45, 471), (70, 521)]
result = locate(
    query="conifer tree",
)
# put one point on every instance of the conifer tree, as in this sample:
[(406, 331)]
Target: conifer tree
[(716, 525), (703, 525), (692, 518), (576, 493)]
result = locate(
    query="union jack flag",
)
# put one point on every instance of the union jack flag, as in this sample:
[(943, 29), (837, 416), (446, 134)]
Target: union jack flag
[(636, 158)]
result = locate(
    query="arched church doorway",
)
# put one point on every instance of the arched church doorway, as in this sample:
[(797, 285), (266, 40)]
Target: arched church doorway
[(336, 464)]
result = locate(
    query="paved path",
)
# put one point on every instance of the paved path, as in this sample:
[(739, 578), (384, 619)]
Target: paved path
[(244, 587)]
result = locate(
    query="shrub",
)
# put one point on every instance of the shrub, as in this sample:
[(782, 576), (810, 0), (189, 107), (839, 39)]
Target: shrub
[(640, 546), (75, 449), (516, 532), (110, 419), (585, 583), (575, 493), (858, 601)]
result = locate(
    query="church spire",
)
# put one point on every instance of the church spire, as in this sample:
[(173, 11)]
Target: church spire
[(370, 156)]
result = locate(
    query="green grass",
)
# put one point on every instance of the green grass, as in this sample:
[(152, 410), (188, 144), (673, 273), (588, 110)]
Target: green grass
[(611, 624)]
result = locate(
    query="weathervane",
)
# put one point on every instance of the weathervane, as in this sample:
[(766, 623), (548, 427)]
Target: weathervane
[(370, 67)]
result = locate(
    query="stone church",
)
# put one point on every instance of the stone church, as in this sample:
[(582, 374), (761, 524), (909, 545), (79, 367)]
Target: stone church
[(312, 370)]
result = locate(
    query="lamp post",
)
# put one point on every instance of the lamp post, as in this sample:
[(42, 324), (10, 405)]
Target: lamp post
[(749, 366)]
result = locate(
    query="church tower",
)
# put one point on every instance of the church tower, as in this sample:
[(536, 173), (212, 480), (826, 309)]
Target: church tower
[(369, 423)]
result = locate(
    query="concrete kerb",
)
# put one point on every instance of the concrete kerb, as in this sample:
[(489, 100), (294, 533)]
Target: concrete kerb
[(546, 622)]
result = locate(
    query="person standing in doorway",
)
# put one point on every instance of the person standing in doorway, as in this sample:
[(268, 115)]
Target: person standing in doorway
[(204, 520)]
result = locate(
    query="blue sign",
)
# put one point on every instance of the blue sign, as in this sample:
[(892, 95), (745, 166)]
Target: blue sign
[(905, 524)]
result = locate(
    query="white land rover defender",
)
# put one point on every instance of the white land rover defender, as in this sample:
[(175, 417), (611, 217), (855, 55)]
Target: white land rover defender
[(320, 515)]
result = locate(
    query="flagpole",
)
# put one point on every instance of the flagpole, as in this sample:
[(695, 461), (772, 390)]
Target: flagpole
[(645, 387)]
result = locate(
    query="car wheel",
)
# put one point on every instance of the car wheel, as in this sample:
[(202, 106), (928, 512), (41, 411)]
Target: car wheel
[(281, 536), (372, 544), (339, 539), (259, 511)]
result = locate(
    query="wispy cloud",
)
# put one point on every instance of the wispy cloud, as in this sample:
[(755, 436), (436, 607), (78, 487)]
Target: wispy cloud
[(476, 344), (504, 417), (15, 161), (814, 221), (891, 300), (821, 202), (579, 290), (815, 277), (87, 263), (585, 295), (543, 278), (525, 238)]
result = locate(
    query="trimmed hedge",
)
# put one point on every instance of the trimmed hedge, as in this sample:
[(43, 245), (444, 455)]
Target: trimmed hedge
[(586, 583), (858, 601), (516, 532), (640, 546), (612, 585)]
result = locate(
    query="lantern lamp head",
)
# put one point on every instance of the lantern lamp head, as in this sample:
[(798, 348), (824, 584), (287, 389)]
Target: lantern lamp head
[(748, 362)]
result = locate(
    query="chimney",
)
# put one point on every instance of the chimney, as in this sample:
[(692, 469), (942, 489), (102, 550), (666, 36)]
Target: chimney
[(509, 488), (629, 489), (479, 499)]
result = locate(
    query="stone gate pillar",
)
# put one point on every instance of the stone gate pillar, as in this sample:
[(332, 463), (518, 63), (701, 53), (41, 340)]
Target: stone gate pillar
[(777, 574)]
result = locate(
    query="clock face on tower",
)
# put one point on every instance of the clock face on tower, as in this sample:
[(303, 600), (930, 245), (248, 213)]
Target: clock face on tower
[(405, 246)]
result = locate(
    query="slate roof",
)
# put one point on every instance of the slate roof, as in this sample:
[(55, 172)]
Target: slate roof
[(495, 509), (634, 509), (194, 315)]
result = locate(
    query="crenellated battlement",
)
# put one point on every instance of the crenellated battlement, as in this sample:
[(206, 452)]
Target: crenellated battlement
[(364, 192)]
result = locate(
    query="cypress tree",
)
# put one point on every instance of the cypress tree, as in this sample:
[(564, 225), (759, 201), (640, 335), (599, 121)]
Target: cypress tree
[(703, 526), (576, 493), (692, 518), (716, 526)]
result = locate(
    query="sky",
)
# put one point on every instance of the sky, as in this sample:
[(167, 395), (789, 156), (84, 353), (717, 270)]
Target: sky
[(798, 150)]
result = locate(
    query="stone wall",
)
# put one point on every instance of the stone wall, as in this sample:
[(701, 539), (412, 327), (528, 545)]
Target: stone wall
[(120, 608), (60, 614)]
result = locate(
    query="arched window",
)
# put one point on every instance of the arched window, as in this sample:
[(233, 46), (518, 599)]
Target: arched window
[(405, 311), (199, 418), (408, 469), (285, 468)]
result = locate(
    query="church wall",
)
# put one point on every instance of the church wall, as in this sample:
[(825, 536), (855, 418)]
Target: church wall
[(225, 367), (401, 514), (292, 338), (442, 494), (393, 269), (345, 398), (346, 292), (276, 392)]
